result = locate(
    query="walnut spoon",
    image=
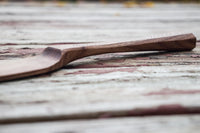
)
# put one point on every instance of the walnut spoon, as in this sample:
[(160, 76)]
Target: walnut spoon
[(53, 59)]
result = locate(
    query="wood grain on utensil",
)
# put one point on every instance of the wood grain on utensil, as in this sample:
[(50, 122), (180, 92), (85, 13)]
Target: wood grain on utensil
[(52, 59)]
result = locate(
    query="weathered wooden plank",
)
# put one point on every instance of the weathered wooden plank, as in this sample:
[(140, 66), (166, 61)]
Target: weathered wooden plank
[(159, 124), (91, 22), (113, 90)]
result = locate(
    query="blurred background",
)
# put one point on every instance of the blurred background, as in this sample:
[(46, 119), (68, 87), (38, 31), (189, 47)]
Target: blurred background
[(52, 21), (110, 0)]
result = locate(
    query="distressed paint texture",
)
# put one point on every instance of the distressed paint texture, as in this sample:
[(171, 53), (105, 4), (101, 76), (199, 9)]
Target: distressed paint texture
[(104, 86)]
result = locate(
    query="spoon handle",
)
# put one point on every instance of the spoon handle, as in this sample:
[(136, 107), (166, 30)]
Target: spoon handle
[(182, 42)]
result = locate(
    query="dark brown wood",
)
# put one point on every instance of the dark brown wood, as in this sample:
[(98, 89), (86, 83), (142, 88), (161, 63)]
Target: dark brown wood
[(52, 59)]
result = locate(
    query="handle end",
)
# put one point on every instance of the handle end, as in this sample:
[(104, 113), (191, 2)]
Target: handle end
[(185, 42)]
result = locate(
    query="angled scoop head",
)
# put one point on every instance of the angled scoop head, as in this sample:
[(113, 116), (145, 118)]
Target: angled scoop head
[(48, 60)]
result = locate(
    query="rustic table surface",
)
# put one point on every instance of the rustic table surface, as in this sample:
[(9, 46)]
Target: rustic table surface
[(122, 92)]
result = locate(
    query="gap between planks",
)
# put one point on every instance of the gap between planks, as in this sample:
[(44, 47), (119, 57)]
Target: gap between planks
[(162, 110), (158, 124)]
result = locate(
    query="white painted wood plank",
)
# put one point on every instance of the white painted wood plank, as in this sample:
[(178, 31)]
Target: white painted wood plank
[(117, 90), (91, 22)]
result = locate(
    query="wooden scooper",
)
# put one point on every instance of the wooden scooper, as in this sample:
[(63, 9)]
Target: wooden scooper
[(53, 59)]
